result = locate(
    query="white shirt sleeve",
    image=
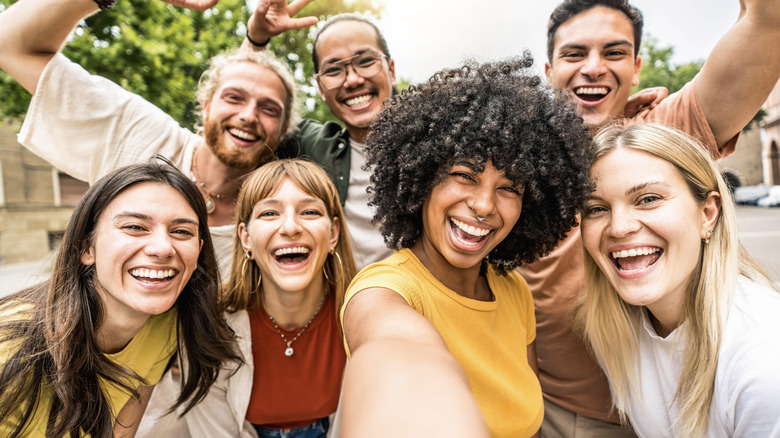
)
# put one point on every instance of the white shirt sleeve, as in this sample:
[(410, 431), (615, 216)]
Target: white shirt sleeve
[(86, 125)]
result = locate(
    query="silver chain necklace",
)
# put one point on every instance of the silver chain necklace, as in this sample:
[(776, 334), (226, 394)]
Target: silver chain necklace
[(289, 350)]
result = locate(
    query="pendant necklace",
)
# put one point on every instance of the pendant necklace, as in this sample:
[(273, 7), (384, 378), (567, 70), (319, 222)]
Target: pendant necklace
[(210, 206), (289, 350)]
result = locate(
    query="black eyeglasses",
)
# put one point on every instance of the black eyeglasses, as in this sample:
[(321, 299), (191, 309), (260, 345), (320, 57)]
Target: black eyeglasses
[(333, 74)]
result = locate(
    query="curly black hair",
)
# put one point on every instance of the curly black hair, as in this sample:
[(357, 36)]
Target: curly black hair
[(499, 112)]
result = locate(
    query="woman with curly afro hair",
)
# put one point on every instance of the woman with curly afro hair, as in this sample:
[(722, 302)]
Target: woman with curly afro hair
[(457, 160)]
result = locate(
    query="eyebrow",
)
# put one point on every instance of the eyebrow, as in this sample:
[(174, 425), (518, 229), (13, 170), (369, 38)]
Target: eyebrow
[(638, 187), (608, 45), (145, 217), (334, 60), (309, 200)]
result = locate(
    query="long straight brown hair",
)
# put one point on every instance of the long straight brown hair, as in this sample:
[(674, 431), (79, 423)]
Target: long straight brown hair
[(54, 324)]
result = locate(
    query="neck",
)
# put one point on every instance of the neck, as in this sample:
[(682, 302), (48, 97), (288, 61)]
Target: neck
[(466, 282), (359, 135), (115, 333), (293, 308), (666, 323), (221, 181)]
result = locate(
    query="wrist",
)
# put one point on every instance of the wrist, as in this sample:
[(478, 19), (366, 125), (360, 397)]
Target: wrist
[(104, 4), (258, 44)]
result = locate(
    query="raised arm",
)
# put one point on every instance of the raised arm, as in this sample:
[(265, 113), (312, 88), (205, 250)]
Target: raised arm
[(742, 69), (33, 31), (402, 379), (272, 17)]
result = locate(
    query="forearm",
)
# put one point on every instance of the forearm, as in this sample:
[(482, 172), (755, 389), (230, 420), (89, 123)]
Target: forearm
[(32, 31), (396, 388)]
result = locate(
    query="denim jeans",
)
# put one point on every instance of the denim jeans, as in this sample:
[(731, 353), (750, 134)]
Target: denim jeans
[(318, 429)]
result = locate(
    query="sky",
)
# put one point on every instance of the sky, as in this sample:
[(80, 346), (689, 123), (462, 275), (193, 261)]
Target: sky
[(425, 36)]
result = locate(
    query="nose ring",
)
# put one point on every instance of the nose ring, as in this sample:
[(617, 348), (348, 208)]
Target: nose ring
[(479, 218)]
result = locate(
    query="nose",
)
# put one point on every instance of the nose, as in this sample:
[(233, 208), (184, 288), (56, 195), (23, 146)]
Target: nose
[(622, 223), (483, 202), (160, 245), (290, 225), (353, 78), (594, 66), (248, 113)]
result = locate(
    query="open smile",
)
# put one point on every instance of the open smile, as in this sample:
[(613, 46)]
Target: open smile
[(591, 94), (292, 257), (468, 237), (635, 260), (241, 136), (360, 102), (153, 276)]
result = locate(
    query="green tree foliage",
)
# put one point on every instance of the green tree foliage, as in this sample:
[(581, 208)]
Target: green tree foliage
[(158, 51), (658, 71)]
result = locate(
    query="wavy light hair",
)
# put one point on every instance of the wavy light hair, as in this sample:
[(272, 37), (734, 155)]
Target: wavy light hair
[(264, 182), (611, 325)]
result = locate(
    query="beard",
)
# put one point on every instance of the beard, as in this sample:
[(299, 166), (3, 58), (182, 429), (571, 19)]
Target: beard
[(250, 158)]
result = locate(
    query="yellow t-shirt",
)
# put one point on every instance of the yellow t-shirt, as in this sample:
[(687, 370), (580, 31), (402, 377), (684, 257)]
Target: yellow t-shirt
[(488, 339), (146, 354)]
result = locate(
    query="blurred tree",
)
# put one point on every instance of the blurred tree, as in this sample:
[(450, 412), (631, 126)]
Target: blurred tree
[(657, 71), (158, 51)]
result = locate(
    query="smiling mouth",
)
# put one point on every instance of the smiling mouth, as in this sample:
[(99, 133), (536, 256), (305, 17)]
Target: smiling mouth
[(591, 94), (243, 135), (153, 275), (297, 254), (636, 259), (468, 234), (359, 101)]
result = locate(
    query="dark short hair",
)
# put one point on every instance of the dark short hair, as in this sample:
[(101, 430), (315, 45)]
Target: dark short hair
[(380, 38), (570, 8), (500, 112)]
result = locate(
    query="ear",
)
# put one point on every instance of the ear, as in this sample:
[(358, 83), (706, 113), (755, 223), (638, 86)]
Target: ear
[(548, 72), (322, 91), (335, 231), (710, 213), (243, 236), (391, 71), (637, 69), (87, 254), (206, 106)]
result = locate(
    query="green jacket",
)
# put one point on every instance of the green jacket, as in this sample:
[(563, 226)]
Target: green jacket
[(325, 144)]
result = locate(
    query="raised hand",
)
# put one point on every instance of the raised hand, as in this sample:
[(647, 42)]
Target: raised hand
[(272, 17), (645, 100)]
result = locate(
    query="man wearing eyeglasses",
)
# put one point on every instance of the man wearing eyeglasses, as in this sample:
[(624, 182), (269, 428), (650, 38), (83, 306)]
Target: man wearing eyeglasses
[(355, 75)]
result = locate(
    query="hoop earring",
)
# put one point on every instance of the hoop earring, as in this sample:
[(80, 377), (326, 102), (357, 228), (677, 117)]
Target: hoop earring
[(247, 260), (336, 255)]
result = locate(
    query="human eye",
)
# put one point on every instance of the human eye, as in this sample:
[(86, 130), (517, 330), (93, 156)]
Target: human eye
[(593, 210), (616, 54), (267, 214), (332, 70), (367, 60), (271, 110), (232, 98), (461, 175), (512, 190), (572, 55), (312, 212), (184, 233), (648, 199), (133, 228)]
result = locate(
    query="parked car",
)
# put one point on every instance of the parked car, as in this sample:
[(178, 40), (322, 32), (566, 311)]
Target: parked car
[(749, 195), (772, 199)]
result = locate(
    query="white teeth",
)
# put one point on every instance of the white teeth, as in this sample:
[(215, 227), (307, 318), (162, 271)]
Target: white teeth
[(592, 90), (152, 273), (242, 135), (296, 250), (468, 229), (358, 101), (634, 252)]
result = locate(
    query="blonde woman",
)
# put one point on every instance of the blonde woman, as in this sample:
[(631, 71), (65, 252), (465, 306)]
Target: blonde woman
[(292, 264), (684, 323)]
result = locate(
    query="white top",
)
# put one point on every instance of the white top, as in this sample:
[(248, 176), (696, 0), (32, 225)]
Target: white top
[(368, 245), (746, 401), (87, 126)]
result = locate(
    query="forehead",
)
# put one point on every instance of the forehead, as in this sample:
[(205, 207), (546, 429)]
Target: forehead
[(596, 27), (626, 167), (155, 200), (258, 81), (344, 39)]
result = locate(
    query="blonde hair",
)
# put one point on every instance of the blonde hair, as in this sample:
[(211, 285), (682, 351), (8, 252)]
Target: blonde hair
[(241, 292), (209, 81), (611, 325)]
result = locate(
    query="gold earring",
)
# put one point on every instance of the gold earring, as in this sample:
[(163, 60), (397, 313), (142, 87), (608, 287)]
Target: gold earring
[(247, 260), (709, 234), (332, 281)]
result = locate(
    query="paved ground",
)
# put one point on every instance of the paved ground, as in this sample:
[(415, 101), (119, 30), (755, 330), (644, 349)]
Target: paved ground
[(759, 234)]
